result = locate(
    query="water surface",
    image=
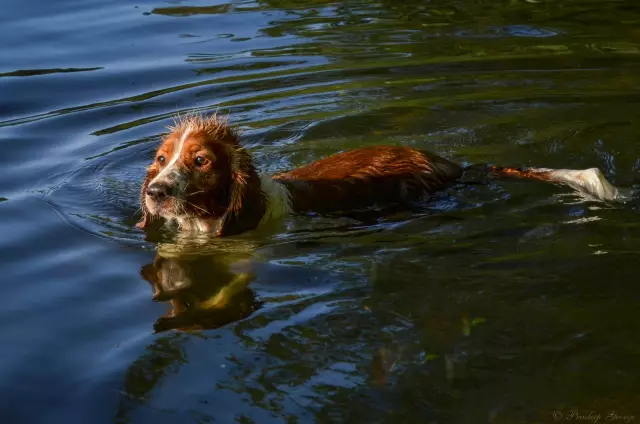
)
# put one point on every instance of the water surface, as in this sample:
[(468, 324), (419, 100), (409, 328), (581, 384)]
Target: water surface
[(505, 302)]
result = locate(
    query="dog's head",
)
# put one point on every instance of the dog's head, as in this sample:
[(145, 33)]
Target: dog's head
[(200, 174)]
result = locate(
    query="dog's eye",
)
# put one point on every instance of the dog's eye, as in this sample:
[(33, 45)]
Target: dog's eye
[(200, 161), (161, 159)]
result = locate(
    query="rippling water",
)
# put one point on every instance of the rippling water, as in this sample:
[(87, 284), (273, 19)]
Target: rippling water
[(506, 302)]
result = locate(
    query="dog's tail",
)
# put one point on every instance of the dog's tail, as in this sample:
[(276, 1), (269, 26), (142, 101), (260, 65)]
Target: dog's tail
[(589, 182)]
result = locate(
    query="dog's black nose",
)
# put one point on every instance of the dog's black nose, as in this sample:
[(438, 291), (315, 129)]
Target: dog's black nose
[(158, 191)]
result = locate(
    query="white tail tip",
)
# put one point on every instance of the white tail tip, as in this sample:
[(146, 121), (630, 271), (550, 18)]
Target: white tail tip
[(590, 182)]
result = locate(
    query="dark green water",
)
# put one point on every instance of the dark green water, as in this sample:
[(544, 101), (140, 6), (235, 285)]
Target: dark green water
[(509, 302)]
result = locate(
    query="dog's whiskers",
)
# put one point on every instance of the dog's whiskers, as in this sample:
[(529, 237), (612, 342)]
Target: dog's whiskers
[(198, 207)]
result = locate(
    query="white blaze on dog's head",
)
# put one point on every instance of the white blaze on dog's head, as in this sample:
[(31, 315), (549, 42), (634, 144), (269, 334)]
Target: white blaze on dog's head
[(170, 171)]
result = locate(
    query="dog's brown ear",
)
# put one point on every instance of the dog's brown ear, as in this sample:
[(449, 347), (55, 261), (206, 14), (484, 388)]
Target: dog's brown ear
[(247, 203), (146, 216), (241, 172)]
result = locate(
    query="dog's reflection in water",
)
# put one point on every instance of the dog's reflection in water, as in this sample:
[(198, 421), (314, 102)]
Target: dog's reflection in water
[(205, 289)]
